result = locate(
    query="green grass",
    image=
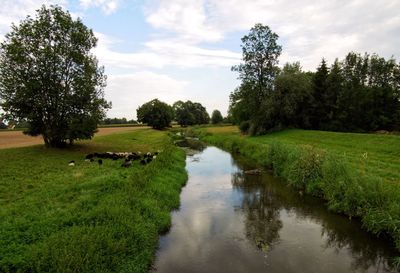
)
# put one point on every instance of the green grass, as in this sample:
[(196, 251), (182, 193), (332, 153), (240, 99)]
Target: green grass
[(357, 174), (87, 218), (376, 155)]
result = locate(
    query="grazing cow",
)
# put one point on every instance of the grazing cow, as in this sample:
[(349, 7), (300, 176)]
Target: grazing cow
[(128, 156), (127, 163), (133, 156)]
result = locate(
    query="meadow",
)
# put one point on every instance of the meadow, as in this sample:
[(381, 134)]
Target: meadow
[(88, 217), (357, 174)]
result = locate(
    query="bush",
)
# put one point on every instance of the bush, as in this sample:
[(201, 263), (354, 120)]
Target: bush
[(305, 172), (244, 127)]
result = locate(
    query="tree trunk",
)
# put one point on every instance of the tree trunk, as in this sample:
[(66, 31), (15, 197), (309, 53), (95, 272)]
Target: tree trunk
[(54, 142)]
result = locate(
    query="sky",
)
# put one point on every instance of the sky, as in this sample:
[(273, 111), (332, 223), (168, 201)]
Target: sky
[(184, 49)]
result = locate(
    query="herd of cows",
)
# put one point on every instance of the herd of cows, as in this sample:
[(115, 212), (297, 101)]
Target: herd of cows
[(129, 158)]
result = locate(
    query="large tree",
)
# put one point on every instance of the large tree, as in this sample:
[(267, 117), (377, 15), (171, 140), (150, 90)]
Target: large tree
[(320, 106), (190, 113), (155, 113), (260, 52), (216, 117), (200, 113), (49, 77), (292, 99), (183, 113)]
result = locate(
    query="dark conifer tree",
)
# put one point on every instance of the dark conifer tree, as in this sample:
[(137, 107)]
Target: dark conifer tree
[(319, 106)]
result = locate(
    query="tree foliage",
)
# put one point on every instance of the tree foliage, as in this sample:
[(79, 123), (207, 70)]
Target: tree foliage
[(156, 114), (260, 53), (108, 121), (292, 100), (3, 125), (49, 78), (190, 113), (359, 93), (216, 117)]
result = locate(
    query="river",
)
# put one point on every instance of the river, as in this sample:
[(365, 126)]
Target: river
[(230, 221)]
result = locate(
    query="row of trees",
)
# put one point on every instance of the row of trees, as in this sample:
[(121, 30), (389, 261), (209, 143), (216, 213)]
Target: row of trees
[(358, 93), (109, 121), (159, 114)]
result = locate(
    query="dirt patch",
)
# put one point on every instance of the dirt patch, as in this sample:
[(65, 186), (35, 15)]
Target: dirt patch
[(11, 139)]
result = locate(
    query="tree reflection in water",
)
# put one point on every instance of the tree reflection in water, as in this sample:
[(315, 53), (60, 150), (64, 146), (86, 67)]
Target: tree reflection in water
[(265, 198), (262, 222)]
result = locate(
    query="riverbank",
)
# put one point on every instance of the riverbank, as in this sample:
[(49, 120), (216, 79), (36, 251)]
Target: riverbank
[(356, 174), (239, 222), (87, 217)]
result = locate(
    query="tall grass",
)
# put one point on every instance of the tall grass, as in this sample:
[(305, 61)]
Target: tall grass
[(348, 190), (87, 218)]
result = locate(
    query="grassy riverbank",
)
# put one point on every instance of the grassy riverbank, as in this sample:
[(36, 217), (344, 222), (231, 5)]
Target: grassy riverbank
[(357, 174), (87, 218)]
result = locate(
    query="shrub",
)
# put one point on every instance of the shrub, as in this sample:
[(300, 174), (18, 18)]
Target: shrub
[(305, 170), (244, 127)]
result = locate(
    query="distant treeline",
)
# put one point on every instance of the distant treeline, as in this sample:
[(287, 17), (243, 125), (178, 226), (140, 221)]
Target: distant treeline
[(108, 121), (358, 93), (159, 114)]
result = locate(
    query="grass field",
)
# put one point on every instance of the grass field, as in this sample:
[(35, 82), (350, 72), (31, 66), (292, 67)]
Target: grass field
[(87, 218), (376, 155), (357, 174)]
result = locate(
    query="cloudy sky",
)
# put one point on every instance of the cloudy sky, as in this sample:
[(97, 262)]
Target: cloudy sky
[(183, 49)]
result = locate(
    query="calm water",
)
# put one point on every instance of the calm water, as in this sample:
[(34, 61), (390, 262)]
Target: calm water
[(232, 222)]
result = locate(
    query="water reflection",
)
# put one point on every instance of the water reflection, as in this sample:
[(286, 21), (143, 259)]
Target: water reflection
[(262, 212), (233, 222)]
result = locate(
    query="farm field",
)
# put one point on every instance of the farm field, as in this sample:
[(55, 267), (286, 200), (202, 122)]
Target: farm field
[(88, 217), (10, 139)]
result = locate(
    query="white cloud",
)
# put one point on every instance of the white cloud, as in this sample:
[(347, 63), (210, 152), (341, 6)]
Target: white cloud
[(127, 92), (308, 29), (177, 52), (189, 18), (161, 53), (12, 11), (107, 56), (107, 6)]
